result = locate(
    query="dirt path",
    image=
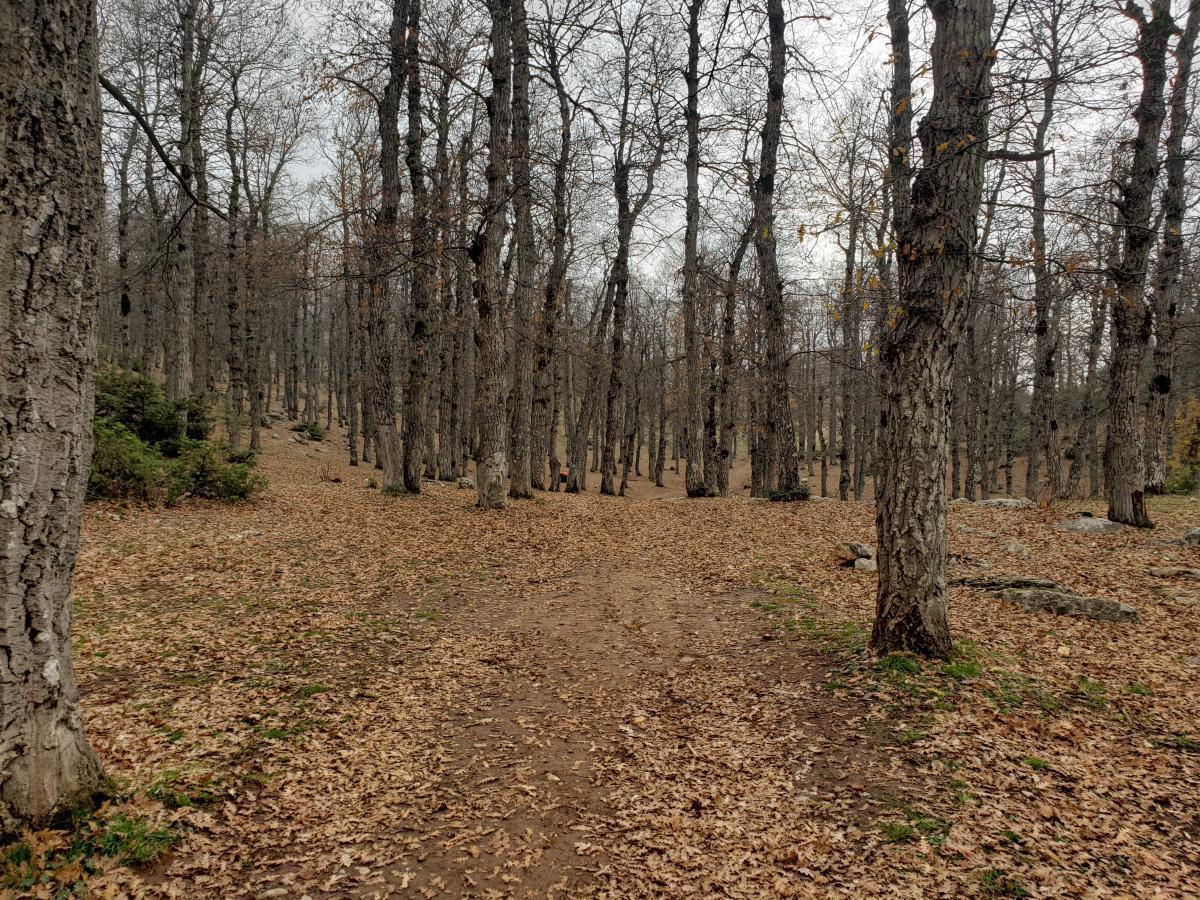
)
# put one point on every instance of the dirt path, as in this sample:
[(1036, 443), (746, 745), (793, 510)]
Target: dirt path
[(632, 732)]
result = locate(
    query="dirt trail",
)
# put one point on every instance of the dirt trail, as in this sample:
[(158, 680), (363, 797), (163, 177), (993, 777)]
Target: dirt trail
[(606, 682)]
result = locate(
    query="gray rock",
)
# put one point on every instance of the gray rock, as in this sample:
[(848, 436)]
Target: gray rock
[(1007, 503), (853, 550), (1191, 538), (960, 501), (1064, 603), (967, 529), (865, 565), (1009, 582), (466, 484), (1090, 525), (1016, 548), (1174, 572)]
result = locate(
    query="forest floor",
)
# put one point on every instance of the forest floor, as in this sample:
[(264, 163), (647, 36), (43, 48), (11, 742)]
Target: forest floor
[(332, 692)]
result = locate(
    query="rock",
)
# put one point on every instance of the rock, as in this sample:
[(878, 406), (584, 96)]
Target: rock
[(852, 550), (1009, 582), (960, 501), (865, 565), (1064, 603), (1191, 538), (1090, 525), (1016, 548), (967, 529), (466, 484), (1193, 661), (1174, 572), (1007, 503)]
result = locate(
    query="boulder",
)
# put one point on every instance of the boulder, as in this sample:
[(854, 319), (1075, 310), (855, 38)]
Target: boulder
[(1007, 503), (465, 484), (1036, 594), (865, 565), (1089, 525), (1174, 572), (1064, 603), (1009, 582), (1191, 538), (859, 551)]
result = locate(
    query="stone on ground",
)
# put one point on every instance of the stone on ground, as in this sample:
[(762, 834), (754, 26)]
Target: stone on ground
[(1090, 525)]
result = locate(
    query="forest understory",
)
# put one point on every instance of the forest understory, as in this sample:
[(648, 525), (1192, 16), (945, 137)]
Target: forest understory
[(328, 691)]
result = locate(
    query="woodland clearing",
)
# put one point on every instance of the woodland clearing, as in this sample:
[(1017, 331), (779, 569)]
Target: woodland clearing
[(332, 692)]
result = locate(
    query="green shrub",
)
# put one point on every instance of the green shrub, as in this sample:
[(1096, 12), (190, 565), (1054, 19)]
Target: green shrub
[(1184, 481), (788, 494), (310, 430), (139, 404), (124, 467), (206, 474), (143, 451)]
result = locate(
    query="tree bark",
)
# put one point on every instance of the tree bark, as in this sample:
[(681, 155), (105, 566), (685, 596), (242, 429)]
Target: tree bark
[(520, 484), (935, 248), (782, 470), (49, 289), (1124, 465), (491, 476), (1170, 260)]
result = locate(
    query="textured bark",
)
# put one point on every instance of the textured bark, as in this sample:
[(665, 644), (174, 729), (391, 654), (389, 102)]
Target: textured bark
[(1043, 423), (934, 252), (727, 376), (233, 297), (491, 474), (1124, 466), (1170, 260), (50, 181), (380, 255), (782, 468), (520, 481), (694, 480), (543, 430), (416, 393)]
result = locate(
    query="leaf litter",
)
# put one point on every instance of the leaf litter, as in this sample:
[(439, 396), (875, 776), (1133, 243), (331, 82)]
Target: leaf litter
[(330, 692)]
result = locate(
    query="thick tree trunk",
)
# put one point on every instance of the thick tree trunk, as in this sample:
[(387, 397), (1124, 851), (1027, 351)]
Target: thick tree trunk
[(694, 480), (521, 484), (782, 466), (1170, 260), (935, 248), (49, 289), (1124, 465), (416, 393), (380, 251), (491, 475)]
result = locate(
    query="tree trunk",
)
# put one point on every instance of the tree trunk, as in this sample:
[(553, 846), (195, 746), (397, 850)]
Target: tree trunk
[(491, 475), (935, 248), (49, 290), (1170, 260), (781, 463), (1124, 465)]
